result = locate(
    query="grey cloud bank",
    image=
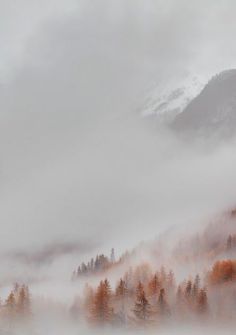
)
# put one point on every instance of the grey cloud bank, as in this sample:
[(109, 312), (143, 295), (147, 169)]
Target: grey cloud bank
[(77, 164)]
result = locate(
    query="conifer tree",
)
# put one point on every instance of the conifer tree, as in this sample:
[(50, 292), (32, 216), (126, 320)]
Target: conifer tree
[(23, 302), (163, 308), (121, 289), (180, 302), (10, 306), (122, 295), (142, 309), (188, 290), (102, 311), (139, 289), (112, 258), (202, 304), (11, 302), (128, 278), (154, 287), (196, 286)]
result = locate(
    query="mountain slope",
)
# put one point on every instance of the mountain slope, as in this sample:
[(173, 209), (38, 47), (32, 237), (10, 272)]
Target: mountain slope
[(167, 100), (213, 111)]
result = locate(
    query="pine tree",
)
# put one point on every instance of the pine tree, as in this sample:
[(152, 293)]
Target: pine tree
[(163, 308), (170, 280), (107, 289), (188, 289), (121, 296), (23, 302), (202, 304), (102, 312), (10, 306), (11, 302), (84, 268), (139, 289), (179, 295), (121, 289), (142, 309), (92, 264), (196, 286), (112, 258), (128, 278), (154, 287)]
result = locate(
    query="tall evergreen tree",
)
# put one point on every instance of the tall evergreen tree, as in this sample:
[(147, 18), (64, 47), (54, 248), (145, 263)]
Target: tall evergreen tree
[(163, 307), (122, 296), (112, 257), (196, 286), (101, 312), (154, 287), (202, 303), (23, 302), (142, 308)]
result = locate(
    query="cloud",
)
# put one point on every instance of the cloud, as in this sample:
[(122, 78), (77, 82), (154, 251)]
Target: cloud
[(47, 254), (76, 161)]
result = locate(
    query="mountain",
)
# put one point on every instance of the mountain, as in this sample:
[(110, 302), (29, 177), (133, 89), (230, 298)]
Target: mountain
[(182, 250), (192, 279), (167, 100), (213, 111)]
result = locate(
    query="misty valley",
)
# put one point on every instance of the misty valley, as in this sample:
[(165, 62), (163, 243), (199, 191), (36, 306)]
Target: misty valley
[(157, 286), (117, 167)]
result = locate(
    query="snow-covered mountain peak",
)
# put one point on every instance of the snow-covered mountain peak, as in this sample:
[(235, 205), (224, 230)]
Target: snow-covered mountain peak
[(167, 100), (213, 111)]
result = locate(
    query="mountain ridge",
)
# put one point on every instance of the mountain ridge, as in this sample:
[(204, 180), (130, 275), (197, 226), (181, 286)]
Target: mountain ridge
[(213, 110)]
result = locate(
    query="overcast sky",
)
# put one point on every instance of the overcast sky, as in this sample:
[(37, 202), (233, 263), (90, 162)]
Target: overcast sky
[(76, 162)]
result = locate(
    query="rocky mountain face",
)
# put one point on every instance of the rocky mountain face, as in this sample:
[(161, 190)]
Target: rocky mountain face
[(167, 100), (213, 111)]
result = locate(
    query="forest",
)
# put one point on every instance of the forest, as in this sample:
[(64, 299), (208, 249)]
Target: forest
[(145, 298), (131, 294), (141, 298)]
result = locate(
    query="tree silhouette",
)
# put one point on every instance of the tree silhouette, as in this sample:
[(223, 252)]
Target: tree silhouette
[(142, 308), (101, 311), (163, 308), (112, 257), (202, 304), (154, 287)]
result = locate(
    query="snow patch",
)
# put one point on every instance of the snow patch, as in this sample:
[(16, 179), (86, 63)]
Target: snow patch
[(167, 100)]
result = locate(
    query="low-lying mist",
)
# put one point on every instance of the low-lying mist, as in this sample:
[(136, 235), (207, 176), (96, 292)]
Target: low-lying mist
[(78, 164), (81, 170)]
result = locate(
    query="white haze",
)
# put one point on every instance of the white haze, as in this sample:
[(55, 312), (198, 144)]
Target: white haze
[(78, 166)]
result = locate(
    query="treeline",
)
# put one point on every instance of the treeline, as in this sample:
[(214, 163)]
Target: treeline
[(144, 298), (17, 305), (198, 247), (211, 244), (98, 264)]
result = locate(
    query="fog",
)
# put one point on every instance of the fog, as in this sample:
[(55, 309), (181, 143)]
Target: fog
[(76, 159), (80, 170)]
